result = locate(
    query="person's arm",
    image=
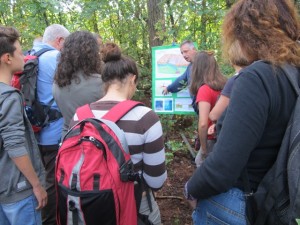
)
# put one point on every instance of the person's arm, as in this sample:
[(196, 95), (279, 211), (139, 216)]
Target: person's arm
[(204, 108), (13, 134), (219, 108), (180, 82), (242, 129), (154, 165), (25, 166)]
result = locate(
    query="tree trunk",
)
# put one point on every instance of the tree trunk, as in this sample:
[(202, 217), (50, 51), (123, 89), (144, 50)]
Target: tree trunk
[(155, 19), (203, 23), (95, 24)]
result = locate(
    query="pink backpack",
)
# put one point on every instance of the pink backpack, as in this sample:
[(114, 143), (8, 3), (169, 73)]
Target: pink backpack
[(94, 172)]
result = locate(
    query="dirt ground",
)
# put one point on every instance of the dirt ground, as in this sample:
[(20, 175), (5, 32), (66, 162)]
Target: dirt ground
[(173, 207)]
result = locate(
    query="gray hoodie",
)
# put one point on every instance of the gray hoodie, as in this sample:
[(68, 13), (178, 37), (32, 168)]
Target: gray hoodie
[(18, 140)]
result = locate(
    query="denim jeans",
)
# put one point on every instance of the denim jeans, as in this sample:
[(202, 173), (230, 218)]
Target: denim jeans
[(224, 209), (22, 212)]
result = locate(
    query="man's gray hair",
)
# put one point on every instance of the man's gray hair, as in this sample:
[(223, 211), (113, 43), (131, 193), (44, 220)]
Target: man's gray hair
[(53, 31), (189, 43)]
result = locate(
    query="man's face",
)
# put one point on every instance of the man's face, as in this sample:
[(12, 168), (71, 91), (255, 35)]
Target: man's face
[(188, 52), (17, 58)]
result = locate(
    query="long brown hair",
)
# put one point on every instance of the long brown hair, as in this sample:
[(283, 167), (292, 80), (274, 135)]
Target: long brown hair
[(265, 30), (205, 70)]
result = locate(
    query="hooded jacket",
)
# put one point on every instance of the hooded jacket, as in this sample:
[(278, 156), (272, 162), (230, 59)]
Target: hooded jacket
[(17, 140)]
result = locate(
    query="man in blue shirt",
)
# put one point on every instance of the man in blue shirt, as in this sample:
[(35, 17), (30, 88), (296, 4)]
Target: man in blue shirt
[(188, 51), (49, 136)]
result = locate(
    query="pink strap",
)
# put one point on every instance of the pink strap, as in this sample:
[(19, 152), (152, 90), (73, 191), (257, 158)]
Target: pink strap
[(120, 109), (84, 112), (114, 114)]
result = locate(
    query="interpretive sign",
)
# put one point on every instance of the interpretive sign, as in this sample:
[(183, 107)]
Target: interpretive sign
[(167, 65)]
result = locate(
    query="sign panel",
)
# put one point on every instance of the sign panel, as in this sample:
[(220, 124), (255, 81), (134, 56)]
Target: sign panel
[(167, 65)]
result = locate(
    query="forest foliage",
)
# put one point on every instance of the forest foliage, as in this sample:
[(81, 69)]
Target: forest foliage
[(136, 25)]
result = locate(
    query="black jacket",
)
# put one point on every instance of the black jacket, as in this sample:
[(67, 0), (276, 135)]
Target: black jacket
[(251, 131)]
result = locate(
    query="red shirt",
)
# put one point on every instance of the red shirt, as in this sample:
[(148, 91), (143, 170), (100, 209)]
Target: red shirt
[(207, 94)]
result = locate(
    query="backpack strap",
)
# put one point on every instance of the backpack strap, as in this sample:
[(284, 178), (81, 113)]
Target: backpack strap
[(46, 108), (42, 51), (111, 117), (261, 216), (120, 109), (84, 112), (114, 114), (292, 74)]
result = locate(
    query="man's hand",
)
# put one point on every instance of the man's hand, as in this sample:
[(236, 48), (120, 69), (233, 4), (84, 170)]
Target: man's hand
[(165, 90), (41, 196)]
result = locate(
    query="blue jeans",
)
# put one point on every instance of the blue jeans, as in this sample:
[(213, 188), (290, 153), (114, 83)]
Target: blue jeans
[(224, 209), (22, 212)]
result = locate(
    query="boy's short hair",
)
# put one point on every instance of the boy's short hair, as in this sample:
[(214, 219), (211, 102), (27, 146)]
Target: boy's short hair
[(8, 37)]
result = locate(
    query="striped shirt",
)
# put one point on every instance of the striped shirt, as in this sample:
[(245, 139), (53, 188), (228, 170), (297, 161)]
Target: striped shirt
[(144, 135)]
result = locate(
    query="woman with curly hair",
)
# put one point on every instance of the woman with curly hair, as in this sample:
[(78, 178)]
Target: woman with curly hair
[(207, 83), (261, 103), (77, 80)]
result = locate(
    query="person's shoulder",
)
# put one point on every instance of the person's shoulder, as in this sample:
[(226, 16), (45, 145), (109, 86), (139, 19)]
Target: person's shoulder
[(205, 87), (94, 77), (141, 111), (257, 67), (6, 90), (91, 80), (11, 95), (231, 80), (259, 73), (40, 46), (142, 108)]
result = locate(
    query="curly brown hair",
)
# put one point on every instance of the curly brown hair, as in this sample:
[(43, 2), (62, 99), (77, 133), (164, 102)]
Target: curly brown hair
[(265, 30), (205, 70), (80, 53)]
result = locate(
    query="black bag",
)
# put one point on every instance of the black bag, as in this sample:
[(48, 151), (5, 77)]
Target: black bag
[(38, 114), (277, 199), (139, 188)]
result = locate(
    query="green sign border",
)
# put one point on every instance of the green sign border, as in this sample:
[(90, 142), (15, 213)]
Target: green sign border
[(174, 95)]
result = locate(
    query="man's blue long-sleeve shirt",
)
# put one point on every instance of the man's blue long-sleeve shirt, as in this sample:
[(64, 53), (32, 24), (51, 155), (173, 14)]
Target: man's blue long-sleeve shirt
[(181, 81)]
